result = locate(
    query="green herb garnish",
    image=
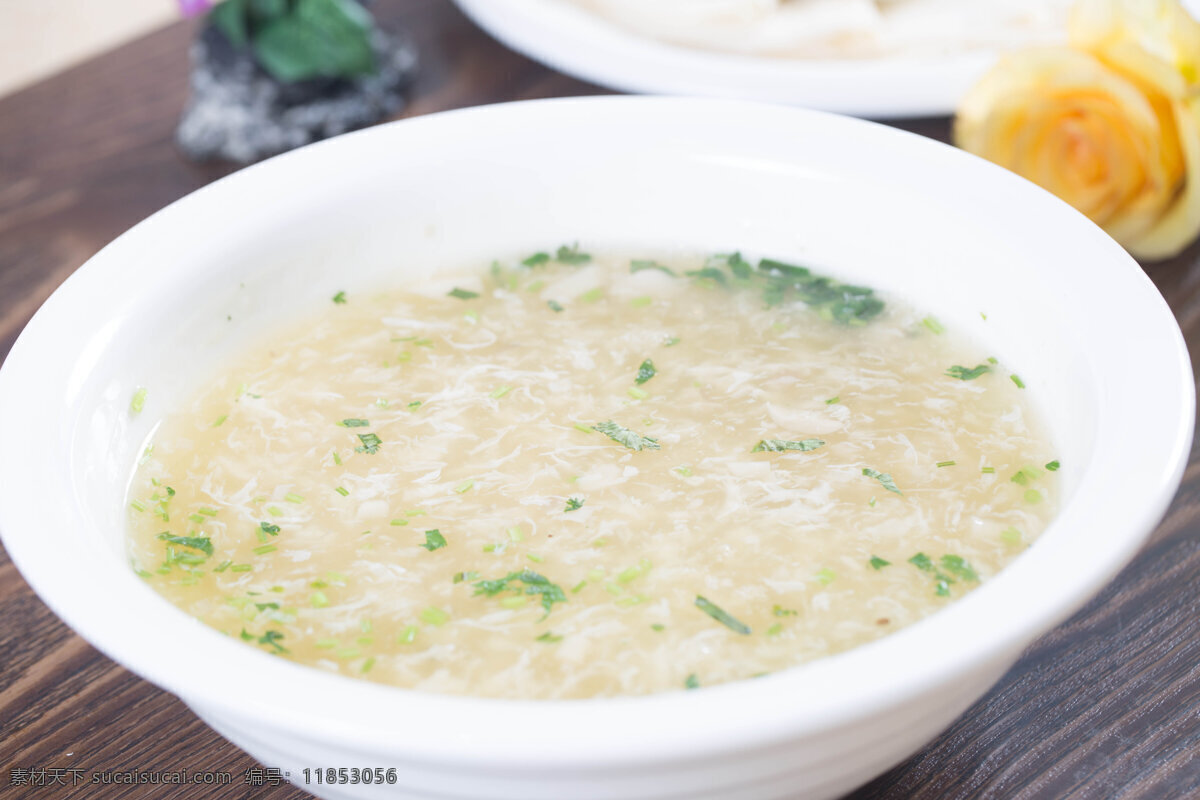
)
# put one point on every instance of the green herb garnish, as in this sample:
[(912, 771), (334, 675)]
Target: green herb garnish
[(721, 616), (1017, 380), (536, 260), (370, 443), (780, 445), (1053, 466), (434, 540), (691, 682), (964, 374), (267, 527), (548, 638), (138, 402), (554, 305), (645, 372), (340, 298), (957, 565), (462, 294), (272, 639), (201, 543), (885, 480), (354, 423), (535, 584), (574, 504), (946, 464), (878, 563), (571, 255), (627, 437)]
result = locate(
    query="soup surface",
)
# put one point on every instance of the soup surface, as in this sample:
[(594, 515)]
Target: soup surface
[(578, 476)]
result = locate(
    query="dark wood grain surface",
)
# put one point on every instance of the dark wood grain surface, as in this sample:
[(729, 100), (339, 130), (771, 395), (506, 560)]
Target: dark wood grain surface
[(1105, 706)]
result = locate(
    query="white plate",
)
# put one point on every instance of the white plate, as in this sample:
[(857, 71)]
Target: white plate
[(581, 44)]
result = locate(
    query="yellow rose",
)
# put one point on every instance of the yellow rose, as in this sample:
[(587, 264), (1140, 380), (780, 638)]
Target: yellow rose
[(1111, 124)]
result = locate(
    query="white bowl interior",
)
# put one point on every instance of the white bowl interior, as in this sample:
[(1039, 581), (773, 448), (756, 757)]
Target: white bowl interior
[(161, 307)]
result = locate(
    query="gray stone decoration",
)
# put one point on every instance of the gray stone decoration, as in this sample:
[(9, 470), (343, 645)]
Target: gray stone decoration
[(239, 113)]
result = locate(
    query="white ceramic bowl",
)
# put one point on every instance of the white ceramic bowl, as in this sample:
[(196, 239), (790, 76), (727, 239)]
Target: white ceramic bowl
[(570, 39), (159, 307)]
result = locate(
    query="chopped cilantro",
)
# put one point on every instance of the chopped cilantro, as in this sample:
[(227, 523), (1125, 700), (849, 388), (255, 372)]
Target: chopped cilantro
[(267, 527), (885, 480), (708, 273), (554, 305), (626, 437), (964, 374), (878, 563), (574, 504), (780, 445), (536, 260), (340, 298), (721, 616), (691, 682), (462, 294), (571, 255), (1053, 466), (957, 565), (434, 540), (645, 372), (354, 423), (370, 443), (271, 639), (201, 543), (535, 584)]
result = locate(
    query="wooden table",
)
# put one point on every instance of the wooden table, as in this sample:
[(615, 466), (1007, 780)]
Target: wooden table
[(1107, 705)]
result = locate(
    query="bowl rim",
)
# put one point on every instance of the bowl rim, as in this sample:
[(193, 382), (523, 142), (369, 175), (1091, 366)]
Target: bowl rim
[(670, 726), (588, 46)]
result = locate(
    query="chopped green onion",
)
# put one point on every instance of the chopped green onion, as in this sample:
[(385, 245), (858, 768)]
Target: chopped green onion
[(292, 497), (318, 600), (554, 305), (500, 391), (591, 295), (641, 302), (721, 616), (637, 394), (219, 421), (645, 372), (462, 294), (354, 423), (825, 576), (946, 463), (263, 549), (464, 487), (833, 400), (137, 505), (534, 557), (434, 616), (343, 491), (398, 522), (408, 635), (370, 443), (549, 638), (932, 324), (1053, 466), (988, 470), (1010, 535), (1017, 380), (139, 400), (691, 682), (1033, 496), (515, 534), (536, 260)]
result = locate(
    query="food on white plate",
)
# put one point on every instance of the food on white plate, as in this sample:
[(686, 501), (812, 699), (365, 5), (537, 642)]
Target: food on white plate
[(834, 29)]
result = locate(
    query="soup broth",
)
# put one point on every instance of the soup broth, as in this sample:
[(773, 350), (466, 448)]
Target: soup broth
[(578, 476)]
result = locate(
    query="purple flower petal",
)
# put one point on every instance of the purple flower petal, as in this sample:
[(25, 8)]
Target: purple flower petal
[(194, 8)]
